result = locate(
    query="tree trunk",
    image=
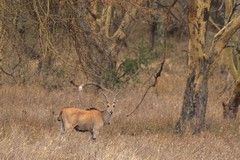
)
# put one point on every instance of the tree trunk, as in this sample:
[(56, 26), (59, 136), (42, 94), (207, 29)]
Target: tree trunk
[(187, 107), (195, 101), (230, 109), (196, 92), (1, 41), (200, 97), (98, 47)]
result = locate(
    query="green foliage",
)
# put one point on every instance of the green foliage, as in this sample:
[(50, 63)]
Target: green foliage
[(170, 44), (111, 78), (58, 72), (147, 54), (131, 66)]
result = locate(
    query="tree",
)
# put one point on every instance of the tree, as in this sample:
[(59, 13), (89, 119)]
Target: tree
[(230, 108), (1, 40), (196, 92), (99, 33)]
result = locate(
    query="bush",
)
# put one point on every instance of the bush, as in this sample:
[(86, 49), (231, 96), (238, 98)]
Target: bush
[(130, 67)]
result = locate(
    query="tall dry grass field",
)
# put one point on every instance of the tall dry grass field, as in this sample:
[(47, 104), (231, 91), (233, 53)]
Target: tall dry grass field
[(29, 129)]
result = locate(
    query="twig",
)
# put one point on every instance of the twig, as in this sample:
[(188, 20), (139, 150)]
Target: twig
[(217, 10), (233, 10), (8, 74), (168, 8), (214, 24), (156, 76)]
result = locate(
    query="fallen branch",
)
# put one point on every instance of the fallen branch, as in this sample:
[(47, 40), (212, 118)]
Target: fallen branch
[(156, 76)]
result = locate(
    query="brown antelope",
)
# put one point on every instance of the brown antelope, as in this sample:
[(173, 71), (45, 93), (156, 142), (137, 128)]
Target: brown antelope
[(89, 120)]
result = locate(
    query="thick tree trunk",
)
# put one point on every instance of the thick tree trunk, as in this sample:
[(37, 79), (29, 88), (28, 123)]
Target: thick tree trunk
[(188, 107), (200, 97), (196, 93), (195, 101)]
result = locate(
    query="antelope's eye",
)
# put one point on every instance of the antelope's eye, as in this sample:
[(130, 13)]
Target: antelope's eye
[(114, 106), (108, 106)]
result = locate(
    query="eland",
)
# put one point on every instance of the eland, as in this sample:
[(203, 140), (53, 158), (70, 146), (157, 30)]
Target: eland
[(88, 120)]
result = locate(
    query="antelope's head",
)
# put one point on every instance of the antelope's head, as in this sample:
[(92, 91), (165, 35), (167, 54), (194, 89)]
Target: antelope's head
[(110, 104)]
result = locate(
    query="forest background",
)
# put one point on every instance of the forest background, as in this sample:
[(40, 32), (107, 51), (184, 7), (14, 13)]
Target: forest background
[(179, 58)]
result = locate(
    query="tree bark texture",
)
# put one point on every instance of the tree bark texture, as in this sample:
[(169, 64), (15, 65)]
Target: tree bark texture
[(187, 107), (195, 101), (230, 108), (196, 92)]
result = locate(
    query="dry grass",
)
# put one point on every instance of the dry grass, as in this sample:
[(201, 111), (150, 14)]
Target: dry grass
[(29, 129)]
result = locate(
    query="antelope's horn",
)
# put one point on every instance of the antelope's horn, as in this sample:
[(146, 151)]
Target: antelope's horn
[(106, 98)]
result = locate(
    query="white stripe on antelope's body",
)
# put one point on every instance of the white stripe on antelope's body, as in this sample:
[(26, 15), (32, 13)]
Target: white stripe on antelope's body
[(89, 120)]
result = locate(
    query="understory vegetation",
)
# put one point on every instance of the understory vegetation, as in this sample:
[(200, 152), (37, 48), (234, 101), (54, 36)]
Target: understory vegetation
[(30, 129)]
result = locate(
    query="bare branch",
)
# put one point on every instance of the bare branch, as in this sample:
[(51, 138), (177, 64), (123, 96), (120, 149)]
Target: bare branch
[(222, 37), (156, 76), (217, 10), (214, 24), (168, 8), (9, 74), (234, 8), (91, 13)]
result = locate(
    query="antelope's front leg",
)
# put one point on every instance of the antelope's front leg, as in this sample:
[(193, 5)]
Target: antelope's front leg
[(95, 134)]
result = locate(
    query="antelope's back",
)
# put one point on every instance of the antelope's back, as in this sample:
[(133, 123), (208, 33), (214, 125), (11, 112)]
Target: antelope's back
[(77, 115)]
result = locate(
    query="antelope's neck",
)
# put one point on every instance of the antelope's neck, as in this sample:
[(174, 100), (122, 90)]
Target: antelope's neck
[(106, 117)]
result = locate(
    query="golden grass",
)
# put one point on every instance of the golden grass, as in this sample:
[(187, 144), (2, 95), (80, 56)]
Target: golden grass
[(29, 129)]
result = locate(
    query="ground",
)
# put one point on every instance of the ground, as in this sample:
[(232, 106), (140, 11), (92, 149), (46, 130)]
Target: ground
[(30, 130)]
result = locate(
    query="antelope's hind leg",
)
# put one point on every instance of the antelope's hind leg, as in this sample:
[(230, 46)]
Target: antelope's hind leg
[(62, 128)]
